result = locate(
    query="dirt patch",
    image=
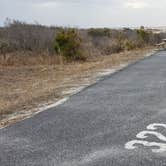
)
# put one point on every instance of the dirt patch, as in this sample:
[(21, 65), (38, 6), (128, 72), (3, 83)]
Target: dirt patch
[(24, 88)]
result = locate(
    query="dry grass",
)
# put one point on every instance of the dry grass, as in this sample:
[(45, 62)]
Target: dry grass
[(28, 59), (25, 87)]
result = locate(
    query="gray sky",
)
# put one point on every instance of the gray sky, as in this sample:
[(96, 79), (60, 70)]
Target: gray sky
[(86, 13)]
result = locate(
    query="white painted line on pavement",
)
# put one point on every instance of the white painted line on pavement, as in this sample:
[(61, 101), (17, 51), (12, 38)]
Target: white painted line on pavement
[(161, 147)]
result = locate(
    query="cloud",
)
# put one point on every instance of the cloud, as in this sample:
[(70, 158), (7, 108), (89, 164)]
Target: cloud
[(47, 4), (86, 13), (140, 4), (136, 4)]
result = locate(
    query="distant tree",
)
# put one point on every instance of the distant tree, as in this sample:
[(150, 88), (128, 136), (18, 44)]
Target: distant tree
[(142, 27)]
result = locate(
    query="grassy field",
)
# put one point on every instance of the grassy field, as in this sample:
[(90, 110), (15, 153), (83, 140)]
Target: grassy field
[(23, 88)]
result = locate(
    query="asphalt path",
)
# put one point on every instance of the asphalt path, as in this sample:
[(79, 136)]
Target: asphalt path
[(119, 121)]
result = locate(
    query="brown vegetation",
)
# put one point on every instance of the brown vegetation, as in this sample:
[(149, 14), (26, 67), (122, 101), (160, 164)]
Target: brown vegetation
[(31, 69), (26, 44), (23, 88)]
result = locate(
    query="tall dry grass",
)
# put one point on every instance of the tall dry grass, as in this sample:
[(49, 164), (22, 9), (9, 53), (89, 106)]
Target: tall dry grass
[(23, 87), (28, 58)]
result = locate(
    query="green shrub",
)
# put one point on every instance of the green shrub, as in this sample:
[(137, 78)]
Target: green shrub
[(143, 35), (99, 32), (129, 45), (68, 44), (4, 48)]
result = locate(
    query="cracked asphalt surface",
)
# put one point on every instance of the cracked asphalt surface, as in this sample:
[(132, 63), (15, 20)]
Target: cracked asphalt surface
[(93, 126)]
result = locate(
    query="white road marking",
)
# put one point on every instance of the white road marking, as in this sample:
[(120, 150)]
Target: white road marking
[(132, 145), (155, 126), (145, 134)]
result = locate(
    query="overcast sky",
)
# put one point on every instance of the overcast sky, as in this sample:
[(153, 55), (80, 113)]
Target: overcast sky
[(86, 13)]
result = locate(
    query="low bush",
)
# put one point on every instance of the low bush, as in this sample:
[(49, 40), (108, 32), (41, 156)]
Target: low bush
[(143, 35), (129, 45), (71, 44), (99, 32), (4, 47), (68, 44)]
